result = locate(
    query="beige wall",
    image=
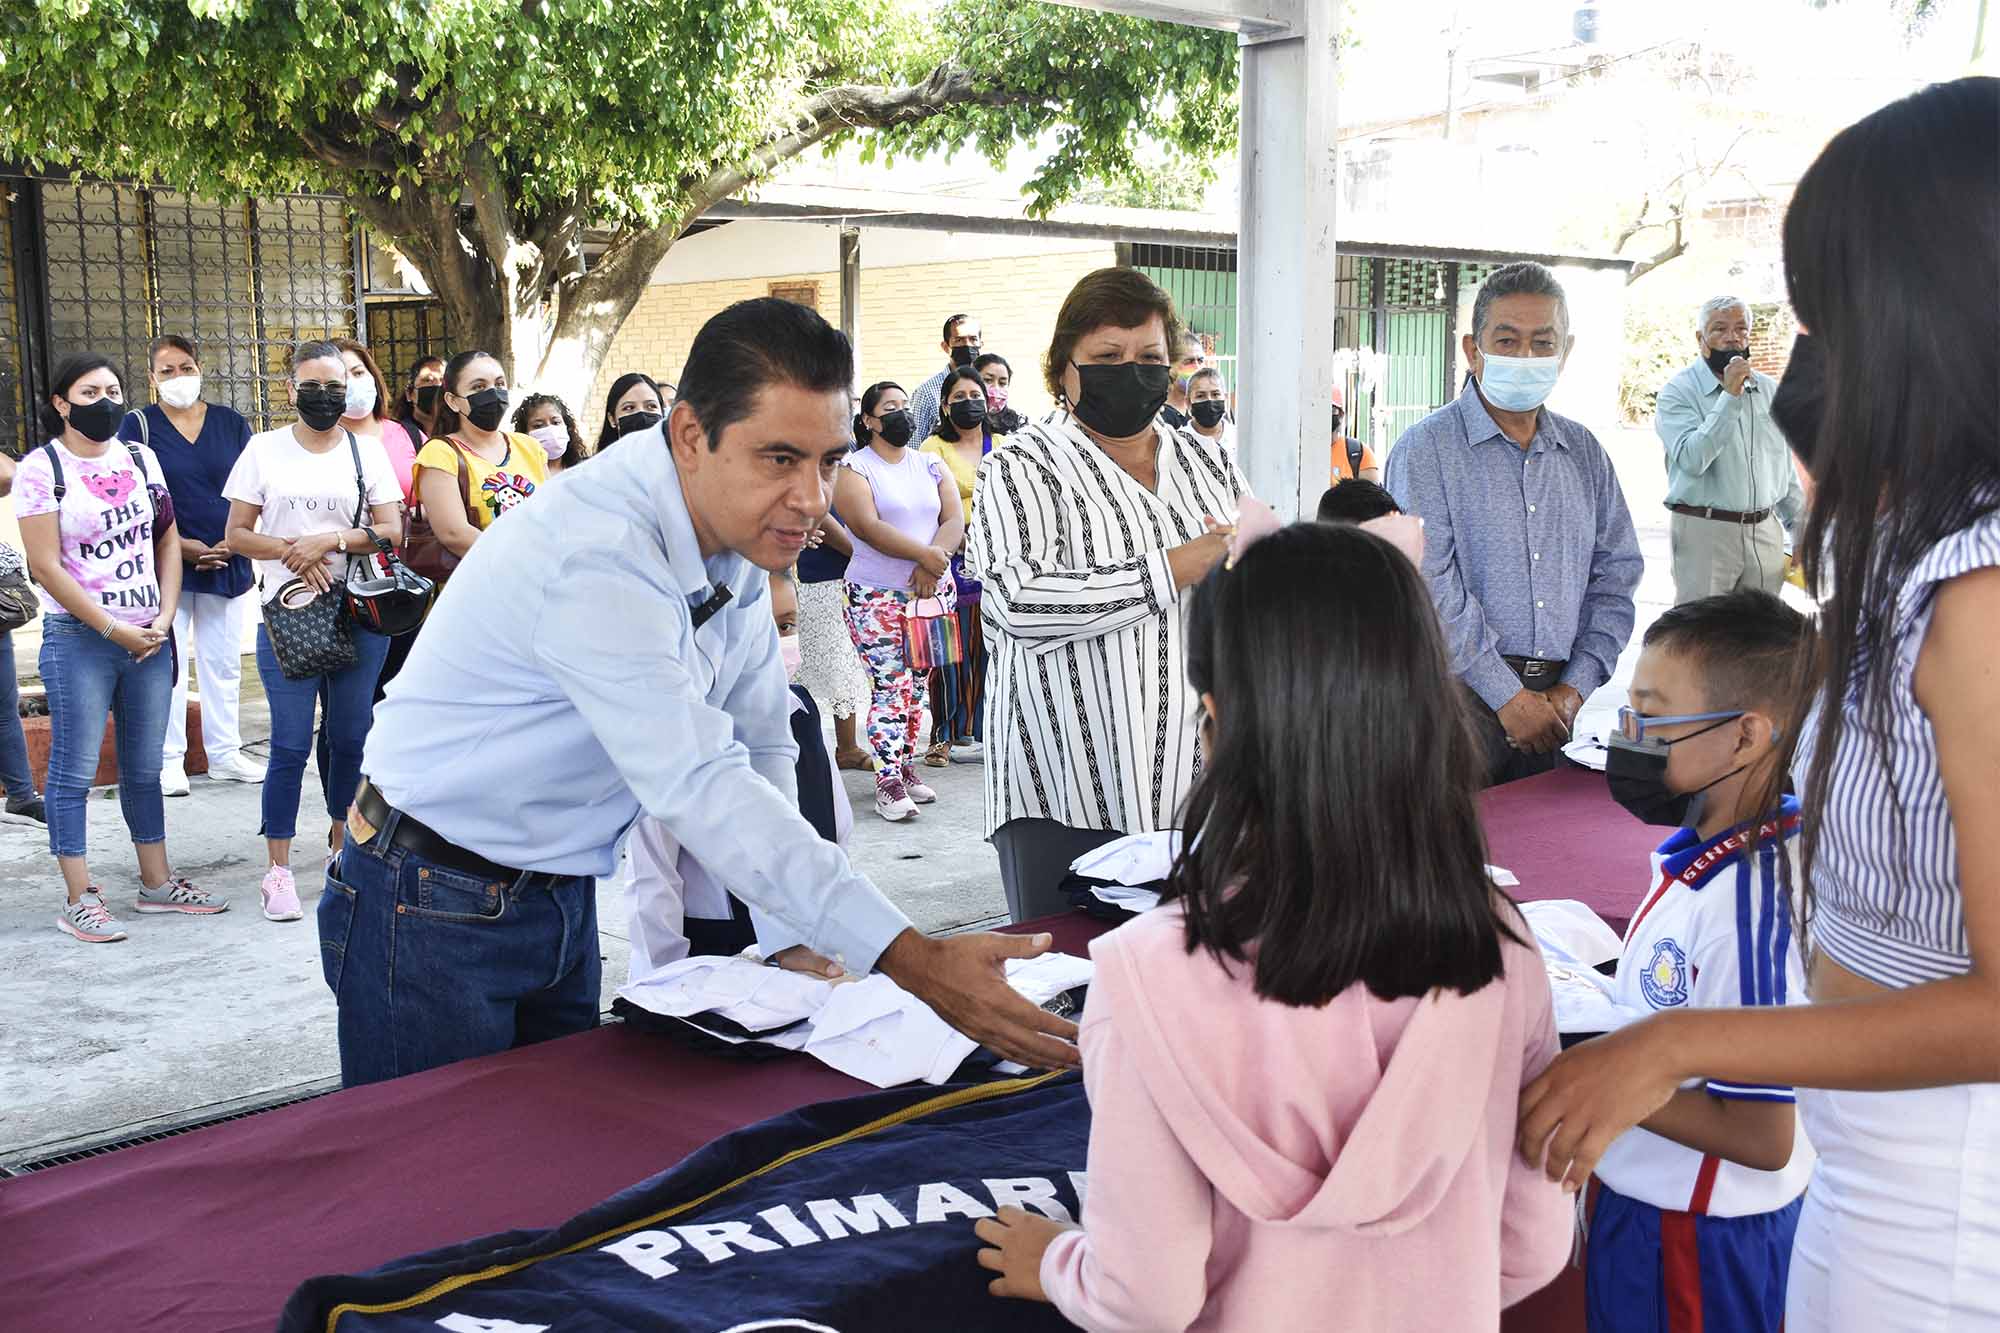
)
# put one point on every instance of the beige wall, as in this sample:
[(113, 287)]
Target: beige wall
[(902, 309)]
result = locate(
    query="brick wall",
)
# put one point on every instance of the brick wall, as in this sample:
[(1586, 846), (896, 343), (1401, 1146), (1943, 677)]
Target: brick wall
[(902, 311), (1771, 338)]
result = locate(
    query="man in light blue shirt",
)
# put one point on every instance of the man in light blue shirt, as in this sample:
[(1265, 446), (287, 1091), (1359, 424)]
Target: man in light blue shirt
[(1730, 480), (602, 651), (1528, 545)]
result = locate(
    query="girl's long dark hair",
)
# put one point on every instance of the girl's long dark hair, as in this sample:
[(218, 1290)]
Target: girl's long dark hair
[(607, 434), (1334, 834), (1892, 259)]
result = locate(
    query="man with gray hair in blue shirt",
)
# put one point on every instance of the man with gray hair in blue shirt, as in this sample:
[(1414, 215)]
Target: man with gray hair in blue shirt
[(604, 650), (1730, 481), (1528, 545)]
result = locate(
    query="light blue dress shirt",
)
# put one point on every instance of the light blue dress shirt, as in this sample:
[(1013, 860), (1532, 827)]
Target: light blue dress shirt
[(1529, 552), (1722, 450), (559, 688)]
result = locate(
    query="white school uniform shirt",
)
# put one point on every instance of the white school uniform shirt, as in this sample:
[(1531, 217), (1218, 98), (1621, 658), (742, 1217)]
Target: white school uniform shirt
[(1713, 933), (669, 885)]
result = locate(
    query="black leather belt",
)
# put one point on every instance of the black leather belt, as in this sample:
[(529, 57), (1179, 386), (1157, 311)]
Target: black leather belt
[(414, 836), (1721, 515), (1536, 673)]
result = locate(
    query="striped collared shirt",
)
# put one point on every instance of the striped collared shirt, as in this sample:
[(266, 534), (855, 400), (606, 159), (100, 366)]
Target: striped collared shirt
[(1888, 903), (1089, 718)]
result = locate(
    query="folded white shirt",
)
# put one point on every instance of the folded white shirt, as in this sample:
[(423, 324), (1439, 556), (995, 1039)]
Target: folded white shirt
[(1583, 998), (1132, 900), (1570, 928), (738, 988), (1139, 858), (876, 1031), (871, 1029)]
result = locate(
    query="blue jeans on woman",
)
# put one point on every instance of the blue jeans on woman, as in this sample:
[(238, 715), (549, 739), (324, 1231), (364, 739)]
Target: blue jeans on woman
[(15, 776), (87, 677), (350, 709)]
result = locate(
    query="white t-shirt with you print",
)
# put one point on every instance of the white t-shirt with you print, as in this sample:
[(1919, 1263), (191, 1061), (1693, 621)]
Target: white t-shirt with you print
[(304, 494), (104, 525)]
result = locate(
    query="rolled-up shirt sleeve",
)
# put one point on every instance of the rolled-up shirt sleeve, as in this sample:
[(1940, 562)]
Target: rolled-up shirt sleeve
[(1036, 589), (1417, 482), (722, 780)]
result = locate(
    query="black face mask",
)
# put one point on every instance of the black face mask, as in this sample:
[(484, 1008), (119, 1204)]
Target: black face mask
[(1121, 400), (964, 356), (968, 412), (96, 421), (321, 408), (1208, 413), (485, 408), (635, 421), (1637, 774), (1718, 358), (427, 398), (1800, 400), (897, 427)]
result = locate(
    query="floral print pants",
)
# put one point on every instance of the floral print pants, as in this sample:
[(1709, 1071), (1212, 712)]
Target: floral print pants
[(875, 621)]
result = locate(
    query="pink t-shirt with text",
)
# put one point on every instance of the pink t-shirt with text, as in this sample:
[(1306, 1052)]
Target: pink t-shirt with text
[(104, 526)]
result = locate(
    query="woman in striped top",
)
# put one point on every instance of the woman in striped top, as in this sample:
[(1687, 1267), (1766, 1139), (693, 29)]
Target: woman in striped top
[(1085, 529), (1892, 251)]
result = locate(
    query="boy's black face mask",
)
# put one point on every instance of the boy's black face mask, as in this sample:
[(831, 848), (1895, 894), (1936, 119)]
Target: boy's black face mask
[(1637, 774)]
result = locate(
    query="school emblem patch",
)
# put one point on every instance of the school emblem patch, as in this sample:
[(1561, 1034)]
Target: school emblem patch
[(1664, 983)]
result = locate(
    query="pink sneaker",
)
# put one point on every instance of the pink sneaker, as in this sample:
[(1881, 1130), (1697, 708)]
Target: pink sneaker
[(87, 920), (281, 895)]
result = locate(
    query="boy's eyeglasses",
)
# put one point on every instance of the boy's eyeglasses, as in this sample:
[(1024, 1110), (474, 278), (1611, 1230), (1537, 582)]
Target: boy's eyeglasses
[(1633, 725)]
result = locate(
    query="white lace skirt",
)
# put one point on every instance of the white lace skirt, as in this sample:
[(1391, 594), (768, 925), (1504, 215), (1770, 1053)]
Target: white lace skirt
[(831, 670)]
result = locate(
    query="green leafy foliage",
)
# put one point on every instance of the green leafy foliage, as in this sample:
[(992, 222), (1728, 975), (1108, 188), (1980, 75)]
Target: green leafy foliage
[(628, 105)]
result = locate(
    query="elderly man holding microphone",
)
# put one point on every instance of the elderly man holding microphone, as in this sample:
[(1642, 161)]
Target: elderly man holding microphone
[(1730, 481)]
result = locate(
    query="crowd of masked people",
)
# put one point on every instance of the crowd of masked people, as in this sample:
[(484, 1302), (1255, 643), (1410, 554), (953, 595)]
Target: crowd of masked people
[(1324, 1073)]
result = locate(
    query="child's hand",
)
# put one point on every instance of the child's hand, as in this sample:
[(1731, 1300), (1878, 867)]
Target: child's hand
[(1021, 1239)]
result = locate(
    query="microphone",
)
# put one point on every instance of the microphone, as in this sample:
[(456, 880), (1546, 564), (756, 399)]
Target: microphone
[(716, 601)]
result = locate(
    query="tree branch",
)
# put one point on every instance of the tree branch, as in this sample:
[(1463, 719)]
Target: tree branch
[(345, 155)]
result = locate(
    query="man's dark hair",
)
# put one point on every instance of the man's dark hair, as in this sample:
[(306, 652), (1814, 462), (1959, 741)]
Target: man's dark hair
[(1356, 501), (953, 323), (1748, 648), (1334, 695), (755, 344), (1525, 278)]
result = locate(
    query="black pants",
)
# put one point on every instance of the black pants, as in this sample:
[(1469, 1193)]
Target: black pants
[(1035, 855)]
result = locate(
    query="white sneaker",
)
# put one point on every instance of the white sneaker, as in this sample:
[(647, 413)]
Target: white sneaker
[(892, 801), (235, 768), (174, 781), (967, 752)]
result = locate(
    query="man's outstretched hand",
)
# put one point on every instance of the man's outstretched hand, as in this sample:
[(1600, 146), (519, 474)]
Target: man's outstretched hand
[(963, 977)]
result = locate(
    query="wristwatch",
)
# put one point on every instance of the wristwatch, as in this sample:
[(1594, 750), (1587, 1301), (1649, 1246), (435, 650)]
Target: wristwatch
[(340, 542)]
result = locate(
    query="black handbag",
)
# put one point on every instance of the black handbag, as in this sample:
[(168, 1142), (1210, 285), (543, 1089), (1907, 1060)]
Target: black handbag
[(309, 630)]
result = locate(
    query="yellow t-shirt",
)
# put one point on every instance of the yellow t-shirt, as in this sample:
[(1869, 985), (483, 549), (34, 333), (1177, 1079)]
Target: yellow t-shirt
[(961, 472), (494, 488)]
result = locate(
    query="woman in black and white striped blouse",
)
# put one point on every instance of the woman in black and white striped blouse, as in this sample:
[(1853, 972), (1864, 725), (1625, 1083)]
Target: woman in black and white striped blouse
[(1085, 529)]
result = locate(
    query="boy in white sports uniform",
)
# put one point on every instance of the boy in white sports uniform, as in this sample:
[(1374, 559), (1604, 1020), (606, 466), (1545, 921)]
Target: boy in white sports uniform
[(1693, 1212)]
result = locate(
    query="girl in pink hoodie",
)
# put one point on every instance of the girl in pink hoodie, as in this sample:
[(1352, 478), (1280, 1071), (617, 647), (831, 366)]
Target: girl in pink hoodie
[(1303, 1067)]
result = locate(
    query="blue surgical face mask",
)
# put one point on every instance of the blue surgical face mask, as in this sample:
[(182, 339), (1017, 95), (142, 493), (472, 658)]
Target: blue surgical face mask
[(1518, 383)]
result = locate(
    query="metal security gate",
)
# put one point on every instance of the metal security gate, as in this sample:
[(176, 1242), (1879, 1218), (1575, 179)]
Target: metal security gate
[(403, 332), (106, 268), (1202, 281)]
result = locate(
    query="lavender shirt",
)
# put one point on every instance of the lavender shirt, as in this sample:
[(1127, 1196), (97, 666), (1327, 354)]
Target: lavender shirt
[(906, 498)]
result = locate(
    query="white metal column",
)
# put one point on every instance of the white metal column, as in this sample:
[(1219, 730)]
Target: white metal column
[(1285, 246)]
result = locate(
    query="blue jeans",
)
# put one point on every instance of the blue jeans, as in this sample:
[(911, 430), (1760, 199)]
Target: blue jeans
[(15, 776), (350, 708), (87, 677), (430, 965)]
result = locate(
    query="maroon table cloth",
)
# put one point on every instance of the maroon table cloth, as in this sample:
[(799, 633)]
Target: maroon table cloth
[(210, 1231)]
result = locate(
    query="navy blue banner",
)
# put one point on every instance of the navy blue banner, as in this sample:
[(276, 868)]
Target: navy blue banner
[(837, 1218)]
